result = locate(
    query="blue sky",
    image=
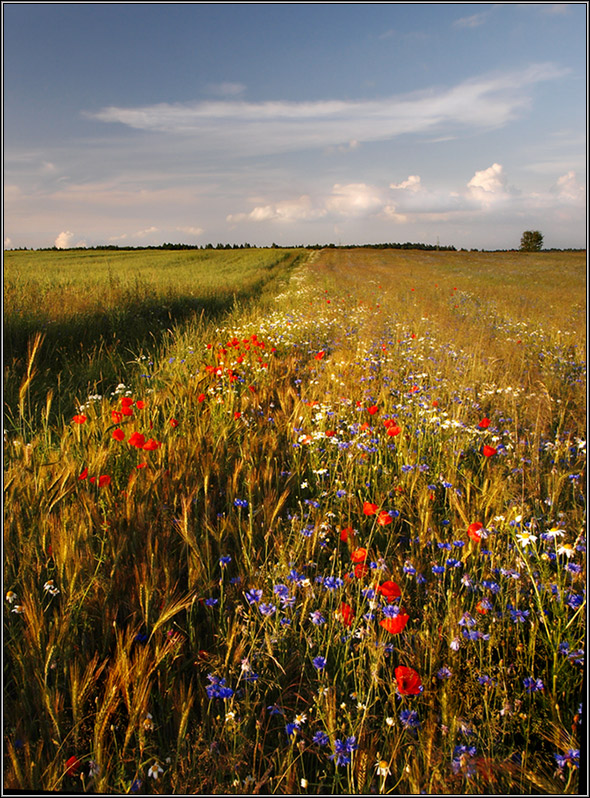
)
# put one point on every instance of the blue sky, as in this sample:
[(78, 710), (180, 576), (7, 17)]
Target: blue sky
[(137, 124)]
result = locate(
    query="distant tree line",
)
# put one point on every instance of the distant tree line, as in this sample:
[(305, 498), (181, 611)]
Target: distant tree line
[(533, 244)]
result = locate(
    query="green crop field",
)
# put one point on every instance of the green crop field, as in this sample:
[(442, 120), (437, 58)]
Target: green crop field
[(318, 527)]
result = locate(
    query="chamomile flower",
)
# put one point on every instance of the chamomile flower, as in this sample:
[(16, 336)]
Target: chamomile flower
[(155, 771), (525, 538), (382, 768)]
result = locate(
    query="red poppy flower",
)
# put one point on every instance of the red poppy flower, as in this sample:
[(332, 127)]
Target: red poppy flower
[(79, 419), (358, 555), (365, 426), (397, 624), (173, 422), (73, 765), (330, 433), (384, 518), (141, 465), (346, 614), (140, 404), (137, 439), (118, 434), (435, 403), (150, 445), (126, 401), (489, 451), (360, 570), (408, 681), (84, 474), (473, 531), (373, 409), (201, 397), (237, 414), (484, 423), (393, 430), (104, 480), (345, 533), (369, 508), (126, 411), (391, 590), (320, 355), (481, 608)]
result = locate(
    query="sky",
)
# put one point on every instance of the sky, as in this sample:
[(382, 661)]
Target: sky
[(138, 124)]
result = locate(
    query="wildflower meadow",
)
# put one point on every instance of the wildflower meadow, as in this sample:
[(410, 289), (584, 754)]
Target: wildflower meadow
[(329, 539)]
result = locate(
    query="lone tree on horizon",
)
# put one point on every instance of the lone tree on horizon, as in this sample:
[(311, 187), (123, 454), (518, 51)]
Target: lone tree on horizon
[(531, 241)]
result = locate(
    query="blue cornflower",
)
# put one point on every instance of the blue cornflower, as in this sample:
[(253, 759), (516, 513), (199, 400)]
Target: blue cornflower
[(317, 618), (409, 719), (225, 560), (343, 749), (445, 546), (459, 543), (409, 569), (267, 609), (281, 590), (486, 680), (391, 610), (444, 673), (253, 596), (241, 502), (474, 634), (274, 709), (319, 663), (533, 685), (519, 616), (340, 494), (453, 563), (574, 600), (211, 602), (320, 738), (564, 648), (333, 582), (290, 729), (420, 579), (463, 760), (571, 757), (217, 688), (438, 569), (467, 620)]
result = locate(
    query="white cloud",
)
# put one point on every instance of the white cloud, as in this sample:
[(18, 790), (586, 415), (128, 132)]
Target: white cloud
[(236, 126), (488, 185), (300, 209), (226, 89), (64, 240), (412, 183), (192, 231), (7, 243), (353, 199), (568, 189), (147, 232), (473, 21)]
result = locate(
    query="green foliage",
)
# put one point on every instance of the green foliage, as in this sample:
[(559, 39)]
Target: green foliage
[(531, 241)]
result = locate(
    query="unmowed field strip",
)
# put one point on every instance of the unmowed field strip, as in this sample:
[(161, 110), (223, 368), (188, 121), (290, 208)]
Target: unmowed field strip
[(328, 541)]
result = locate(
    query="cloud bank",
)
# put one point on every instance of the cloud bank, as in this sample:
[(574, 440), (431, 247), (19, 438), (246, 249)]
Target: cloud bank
[(247, 128)]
